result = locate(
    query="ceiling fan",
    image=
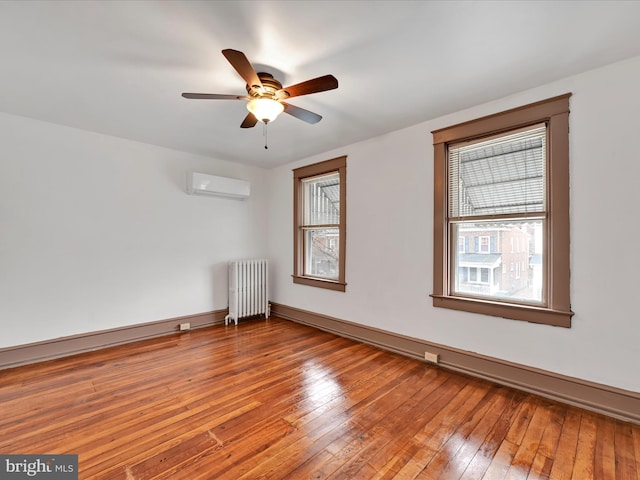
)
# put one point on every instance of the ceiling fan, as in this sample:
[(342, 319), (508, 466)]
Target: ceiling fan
[(266, 95)]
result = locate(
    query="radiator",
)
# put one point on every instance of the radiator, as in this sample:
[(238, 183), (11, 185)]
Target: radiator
[(248, 289)]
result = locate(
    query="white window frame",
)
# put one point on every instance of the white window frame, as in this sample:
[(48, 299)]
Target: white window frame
[(487, 243)]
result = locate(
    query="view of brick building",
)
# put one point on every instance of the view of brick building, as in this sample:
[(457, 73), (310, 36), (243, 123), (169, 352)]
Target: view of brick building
[(496, 260)]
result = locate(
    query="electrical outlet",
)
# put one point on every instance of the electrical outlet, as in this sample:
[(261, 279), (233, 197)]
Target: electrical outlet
[(185, 326), (431, 357)]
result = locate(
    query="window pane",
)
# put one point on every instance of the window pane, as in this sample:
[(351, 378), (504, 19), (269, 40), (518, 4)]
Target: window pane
[(501, 175), (484, 275), (322, 248), (322, 200), (521, 280)]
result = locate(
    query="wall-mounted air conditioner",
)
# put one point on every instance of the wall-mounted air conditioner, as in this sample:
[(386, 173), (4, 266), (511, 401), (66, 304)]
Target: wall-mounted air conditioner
[(204, 184)]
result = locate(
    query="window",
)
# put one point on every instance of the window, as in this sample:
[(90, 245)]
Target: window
[(484, 275), (504, 179), (484, 245), (319, 223), (473, 274), (461, 244)]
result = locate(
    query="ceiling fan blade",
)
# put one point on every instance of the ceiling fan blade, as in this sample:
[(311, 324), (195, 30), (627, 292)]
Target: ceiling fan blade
[(320, 84), (301, 113), (239, 61), (214, 96), (249, 121)]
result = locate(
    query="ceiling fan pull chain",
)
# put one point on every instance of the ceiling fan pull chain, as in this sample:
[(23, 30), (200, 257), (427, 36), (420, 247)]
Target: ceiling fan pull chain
[(264, 133)]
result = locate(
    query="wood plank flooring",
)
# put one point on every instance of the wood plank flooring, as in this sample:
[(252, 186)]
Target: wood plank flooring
[(277, 400)]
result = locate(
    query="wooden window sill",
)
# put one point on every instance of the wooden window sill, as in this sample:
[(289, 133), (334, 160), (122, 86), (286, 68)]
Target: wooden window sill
[(320, 283)]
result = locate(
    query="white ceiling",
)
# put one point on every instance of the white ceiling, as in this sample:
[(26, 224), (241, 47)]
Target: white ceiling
[(119, 67)]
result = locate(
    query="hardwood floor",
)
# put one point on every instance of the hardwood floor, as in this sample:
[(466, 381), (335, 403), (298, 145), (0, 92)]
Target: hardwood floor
[(274, 399)]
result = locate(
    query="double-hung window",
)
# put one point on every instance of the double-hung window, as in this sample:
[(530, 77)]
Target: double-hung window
[(502, 188), (320, 224)]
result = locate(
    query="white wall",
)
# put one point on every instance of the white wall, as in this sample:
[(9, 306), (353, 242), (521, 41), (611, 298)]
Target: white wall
[(97, 232), (390, 247)]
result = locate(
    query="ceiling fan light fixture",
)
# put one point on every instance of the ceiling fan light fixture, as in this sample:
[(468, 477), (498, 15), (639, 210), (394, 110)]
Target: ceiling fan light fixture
[(265, 94), (265, 109)]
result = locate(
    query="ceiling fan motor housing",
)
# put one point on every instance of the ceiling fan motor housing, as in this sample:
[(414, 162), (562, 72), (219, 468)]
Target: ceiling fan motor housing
[(269, 87)]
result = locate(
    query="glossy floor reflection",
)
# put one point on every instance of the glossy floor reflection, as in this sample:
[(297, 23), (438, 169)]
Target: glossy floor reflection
[(278, 400)]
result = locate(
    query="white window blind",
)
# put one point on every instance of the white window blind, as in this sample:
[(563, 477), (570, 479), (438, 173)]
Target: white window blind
[(503, 175), (322, 200)]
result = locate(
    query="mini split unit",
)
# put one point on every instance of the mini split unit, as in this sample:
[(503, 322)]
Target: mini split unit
[(203, 184)]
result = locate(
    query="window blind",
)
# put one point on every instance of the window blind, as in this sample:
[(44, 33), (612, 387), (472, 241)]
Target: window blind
[(322, 200), (501, 175)]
